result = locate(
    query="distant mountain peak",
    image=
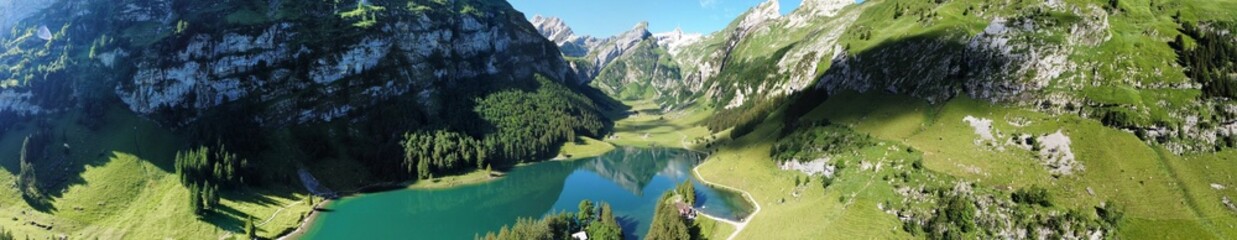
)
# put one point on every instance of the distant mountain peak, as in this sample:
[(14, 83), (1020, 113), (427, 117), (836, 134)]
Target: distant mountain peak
[(641, 25), (674, 41), (769, 10), (815, 9), (553, 28)]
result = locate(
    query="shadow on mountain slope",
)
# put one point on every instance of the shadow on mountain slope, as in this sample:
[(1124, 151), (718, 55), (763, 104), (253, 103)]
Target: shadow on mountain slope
[(931, 66)]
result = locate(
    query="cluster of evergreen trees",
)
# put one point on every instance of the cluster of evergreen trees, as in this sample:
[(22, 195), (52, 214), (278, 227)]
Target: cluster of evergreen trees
[(687, 190), (204, 171), (597, 221), (1211, 60), (955, 219), (1033, 195), (530, 125), (441, 150), (818, 139), (955, 215), (518, 125)]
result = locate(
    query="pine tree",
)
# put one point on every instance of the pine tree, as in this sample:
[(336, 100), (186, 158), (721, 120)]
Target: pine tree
[(26, 179), (195, 199), (688, 191), (585, 215), (423, 169), (606, 227)]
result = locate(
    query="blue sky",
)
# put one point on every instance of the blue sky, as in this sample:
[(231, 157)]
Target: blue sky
[(604, 18)]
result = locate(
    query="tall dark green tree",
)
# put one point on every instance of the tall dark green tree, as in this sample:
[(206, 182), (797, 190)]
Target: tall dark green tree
[(688, 190), (27, 181), (606, 227), (585, 215), (426, 152), (559, 226), (204, 172), (1212, 58)]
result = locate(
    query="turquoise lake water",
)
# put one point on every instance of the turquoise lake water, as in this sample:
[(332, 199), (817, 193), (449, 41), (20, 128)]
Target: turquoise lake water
[(630, 180)]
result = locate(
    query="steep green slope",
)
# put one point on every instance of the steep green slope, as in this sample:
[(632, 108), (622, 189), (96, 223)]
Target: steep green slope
[(1116, 64), (991, 119)]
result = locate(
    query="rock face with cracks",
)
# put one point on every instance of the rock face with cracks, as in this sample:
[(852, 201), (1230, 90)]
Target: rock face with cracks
[(284, 69)]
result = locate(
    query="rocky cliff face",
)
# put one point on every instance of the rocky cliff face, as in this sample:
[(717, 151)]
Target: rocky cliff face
[(570, 44), (707, 59), (635, 64), (590, 56), (614, 47), (1090, 59), (321, 65), (993, 65)]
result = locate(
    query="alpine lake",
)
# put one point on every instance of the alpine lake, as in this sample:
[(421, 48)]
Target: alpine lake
[(631, 180)]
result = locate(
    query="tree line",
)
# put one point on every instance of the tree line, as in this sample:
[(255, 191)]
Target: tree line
[(441, 150), (596, 220), (204, 171), (523, 126), (817, 139), (1211, 59)]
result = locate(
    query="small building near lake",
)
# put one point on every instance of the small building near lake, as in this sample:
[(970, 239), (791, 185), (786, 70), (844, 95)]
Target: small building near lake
[(581, 235), (686, 210)]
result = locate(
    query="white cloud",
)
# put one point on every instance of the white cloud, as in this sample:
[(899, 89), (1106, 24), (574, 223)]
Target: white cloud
[(708, 3)]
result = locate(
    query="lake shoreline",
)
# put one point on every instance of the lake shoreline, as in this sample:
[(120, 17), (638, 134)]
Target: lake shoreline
[(470, 178), (475, 177)]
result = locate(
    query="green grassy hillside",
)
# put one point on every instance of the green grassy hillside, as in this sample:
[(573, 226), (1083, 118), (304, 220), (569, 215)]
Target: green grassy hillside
[(991, 119), (118, 182), (1161, 195)]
